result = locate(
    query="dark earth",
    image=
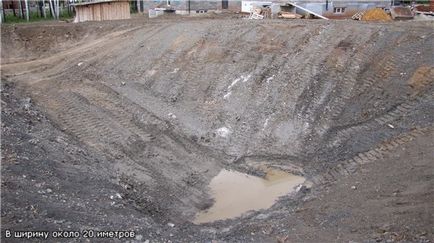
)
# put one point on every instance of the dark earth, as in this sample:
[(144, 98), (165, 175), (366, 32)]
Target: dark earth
[(121, 126)]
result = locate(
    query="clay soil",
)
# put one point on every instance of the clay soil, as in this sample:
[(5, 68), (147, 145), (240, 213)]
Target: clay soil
[(121, 126)]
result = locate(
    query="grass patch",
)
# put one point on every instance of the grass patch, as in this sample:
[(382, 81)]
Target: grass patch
[(35, 17)]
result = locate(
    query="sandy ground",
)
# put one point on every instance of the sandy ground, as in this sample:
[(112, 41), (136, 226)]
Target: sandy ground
[(121, 126)]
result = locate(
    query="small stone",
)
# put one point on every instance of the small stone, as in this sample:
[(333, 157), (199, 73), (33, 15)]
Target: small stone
[(171, 225), (354, 187), (59, 139), (262, 216), (302, 188), (298, 188), (27, 103), (34, 141), (79, 64), (49, 190), (123, 83), (139, 237)]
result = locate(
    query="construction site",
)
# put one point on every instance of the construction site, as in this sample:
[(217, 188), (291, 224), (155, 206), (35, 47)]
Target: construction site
[(218, 127)]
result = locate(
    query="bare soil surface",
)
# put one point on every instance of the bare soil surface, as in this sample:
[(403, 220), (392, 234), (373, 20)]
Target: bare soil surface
[(121, 126)]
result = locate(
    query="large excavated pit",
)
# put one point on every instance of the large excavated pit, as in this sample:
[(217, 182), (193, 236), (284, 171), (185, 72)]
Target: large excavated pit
[(133, 120)]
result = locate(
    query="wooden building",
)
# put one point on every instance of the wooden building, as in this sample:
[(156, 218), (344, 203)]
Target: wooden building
[(102, 10)]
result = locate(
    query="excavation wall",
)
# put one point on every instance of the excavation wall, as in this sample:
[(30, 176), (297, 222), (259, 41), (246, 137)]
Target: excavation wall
[(166, 105)]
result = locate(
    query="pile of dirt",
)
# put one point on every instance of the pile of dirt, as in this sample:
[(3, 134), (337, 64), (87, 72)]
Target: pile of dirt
[(31, 41), (376, 14)]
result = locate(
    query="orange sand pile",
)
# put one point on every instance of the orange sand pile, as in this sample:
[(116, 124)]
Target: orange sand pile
[(376, 14)]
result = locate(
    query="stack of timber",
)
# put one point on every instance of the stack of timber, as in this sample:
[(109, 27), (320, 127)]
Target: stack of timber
[(288, 15)]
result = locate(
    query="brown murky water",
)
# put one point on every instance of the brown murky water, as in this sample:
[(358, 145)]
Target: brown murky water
[(236, 193)]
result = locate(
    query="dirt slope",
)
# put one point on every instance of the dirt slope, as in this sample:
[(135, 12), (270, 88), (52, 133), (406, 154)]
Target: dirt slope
[(163, 106)]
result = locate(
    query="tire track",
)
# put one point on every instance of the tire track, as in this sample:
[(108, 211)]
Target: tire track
[(82, 119), (350, 166)]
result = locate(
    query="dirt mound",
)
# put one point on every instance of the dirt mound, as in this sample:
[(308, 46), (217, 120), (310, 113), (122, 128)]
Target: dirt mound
[(376, 14), (38, 40)]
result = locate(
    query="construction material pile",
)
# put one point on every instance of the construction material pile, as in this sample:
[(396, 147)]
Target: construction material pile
[(289, 15), (401, 13), (376, 14), (424, 12), (260, 13), (358, 15)]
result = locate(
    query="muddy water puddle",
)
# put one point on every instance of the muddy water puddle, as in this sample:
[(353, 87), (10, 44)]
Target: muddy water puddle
[(236, 193)]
